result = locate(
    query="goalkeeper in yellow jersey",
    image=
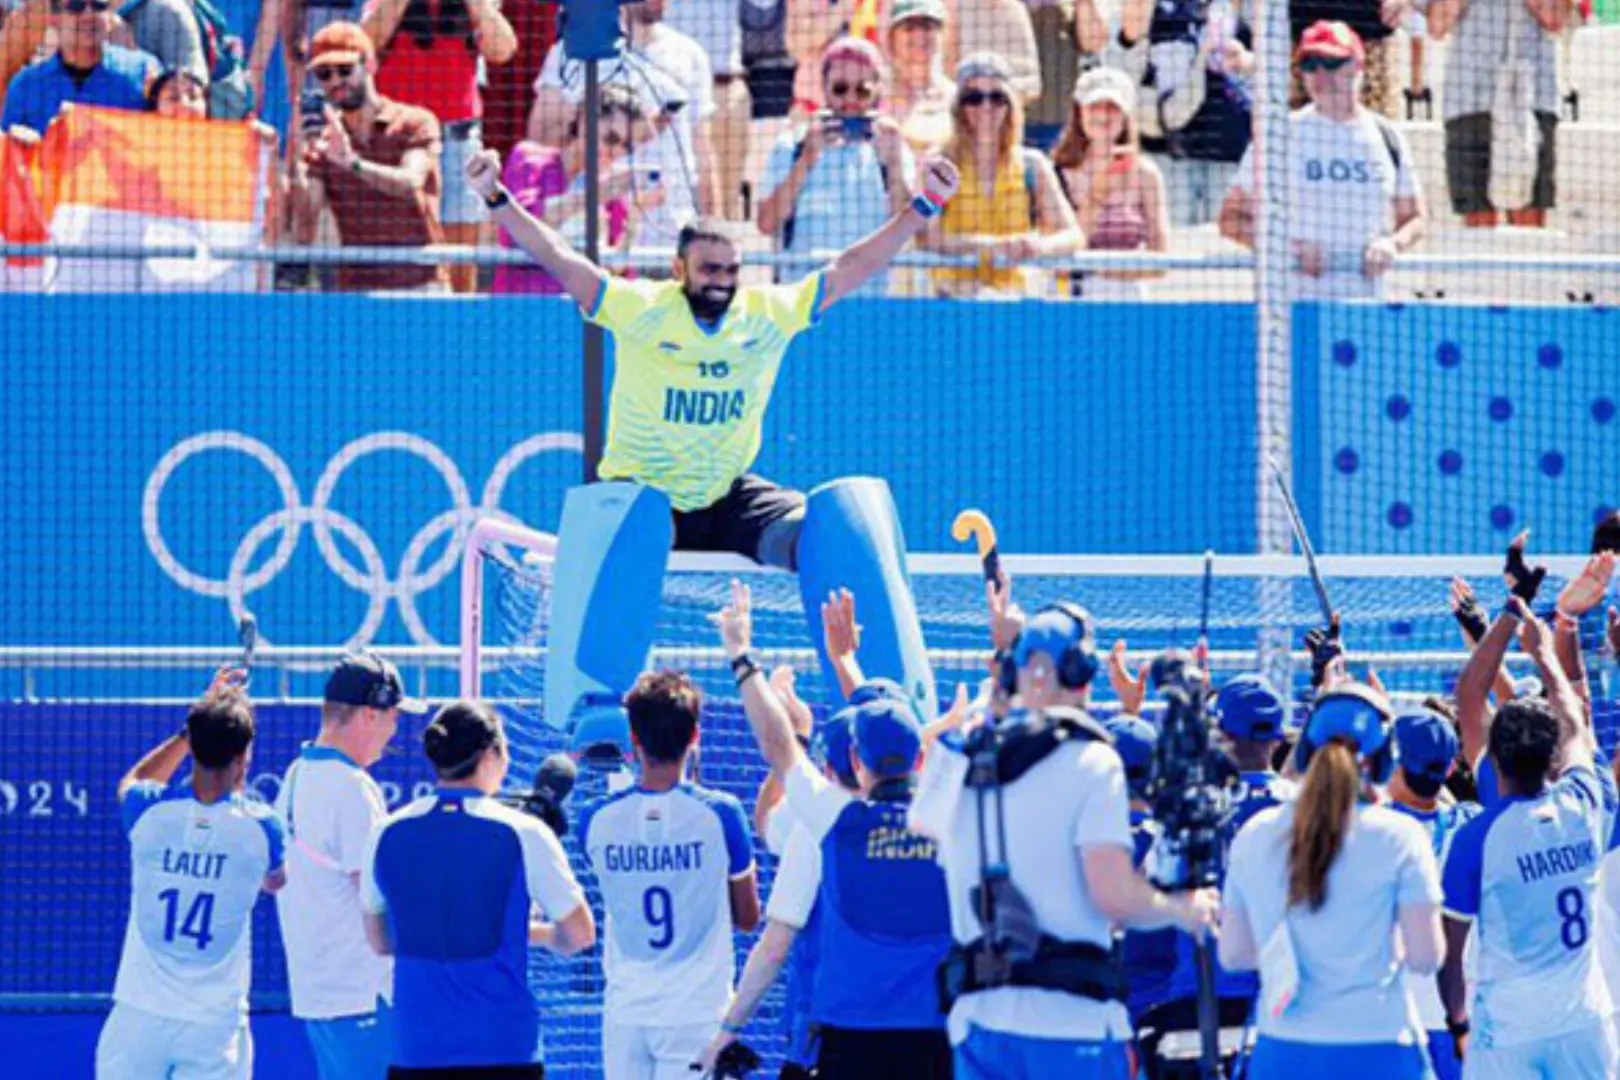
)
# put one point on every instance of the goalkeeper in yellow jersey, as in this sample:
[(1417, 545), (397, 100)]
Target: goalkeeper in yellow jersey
[(696, 360)]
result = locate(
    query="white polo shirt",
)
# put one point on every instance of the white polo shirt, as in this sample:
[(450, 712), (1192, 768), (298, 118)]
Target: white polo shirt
[(330, 805)]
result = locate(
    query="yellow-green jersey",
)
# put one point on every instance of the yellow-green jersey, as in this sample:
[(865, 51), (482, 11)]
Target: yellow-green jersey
[(688, 401)]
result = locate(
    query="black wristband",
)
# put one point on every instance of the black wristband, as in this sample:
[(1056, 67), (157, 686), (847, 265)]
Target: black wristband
[(498, 200), (1457, 1028), (744, 667)]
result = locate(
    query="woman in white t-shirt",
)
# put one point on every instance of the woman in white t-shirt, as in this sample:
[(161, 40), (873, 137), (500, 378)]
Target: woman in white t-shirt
[(1353, 197), (1334, 899)]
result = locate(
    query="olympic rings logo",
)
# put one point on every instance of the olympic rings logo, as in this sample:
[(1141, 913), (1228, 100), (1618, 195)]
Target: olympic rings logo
[(372, 580)]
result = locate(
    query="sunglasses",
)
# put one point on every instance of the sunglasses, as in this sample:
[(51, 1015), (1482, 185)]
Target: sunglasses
[(1323, 63), (332, 71), (613, 140), (79, 7), (863, 91), (974, 98)]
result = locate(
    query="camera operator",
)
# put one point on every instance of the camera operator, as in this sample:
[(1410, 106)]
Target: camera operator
[(847, 172), (1032, 821), (1330, 896)]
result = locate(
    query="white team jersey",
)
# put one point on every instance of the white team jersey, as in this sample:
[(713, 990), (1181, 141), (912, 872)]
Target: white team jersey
[(664, 862), (197, 870), (1609, 925), (798, 879), (1442, 825), (1525, 872), (1343, 180), (1352, 986), (330, 805), (1074, 798)]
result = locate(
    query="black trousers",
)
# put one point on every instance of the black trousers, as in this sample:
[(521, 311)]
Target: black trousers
[(855, 1054), (740, 520)]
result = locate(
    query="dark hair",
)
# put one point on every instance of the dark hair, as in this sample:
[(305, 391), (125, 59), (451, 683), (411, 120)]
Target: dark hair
[(664, 708), (220, 728), (712, 230), (458, 736), (1606, 534), (1524, 741)]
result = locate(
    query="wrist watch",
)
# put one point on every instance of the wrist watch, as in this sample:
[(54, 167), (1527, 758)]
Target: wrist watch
[(356, 165), (744, 667), (498, 200)]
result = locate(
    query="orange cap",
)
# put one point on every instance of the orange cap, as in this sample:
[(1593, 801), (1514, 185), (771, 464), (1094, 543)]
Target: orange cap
[(341, 41)]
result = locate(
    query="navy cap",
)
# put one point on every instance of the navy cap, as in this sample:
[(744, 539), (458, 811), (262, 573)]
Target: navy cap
[(1135, 740), (365, 678), (601, 735), (1248, 708), (887, 737), (830, 745), (1425, 744)]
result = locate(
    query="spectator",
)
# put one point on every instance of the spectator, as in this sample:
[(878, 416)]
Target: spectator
[(85, 70), (262, 20), (429, 52), (375, 164), (331, 805), (1010, 207), (844, 172), (1197, 112), (177, 92), (193, 35), (22, 37), (1375, 21), (1354, 199), (812, 25), (1001, 27), (1057, 45), (716, 25), (509, 89), (670, 71), (450, 885), (1117, 194), (1502, 61), (921, 95), (545, 182)]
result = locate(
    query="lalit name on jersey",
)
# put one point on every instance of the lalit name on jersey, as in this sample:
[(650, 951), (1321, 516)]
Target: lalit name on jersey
[(203, 865)]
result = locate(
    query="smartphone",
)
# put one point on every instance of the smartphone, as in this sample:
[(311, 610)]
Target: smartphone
[(857, 128), (312, 110)]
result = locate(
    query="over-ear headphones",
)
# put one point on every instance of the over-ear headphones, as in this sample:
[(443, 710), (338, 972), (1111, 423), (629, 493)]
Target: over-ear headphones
[(1356, 712), (383, 694), (1076, 662)]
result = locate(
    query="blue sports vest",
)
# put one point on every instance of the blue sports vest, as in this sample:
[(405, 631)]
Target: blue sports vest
[(885, 920)]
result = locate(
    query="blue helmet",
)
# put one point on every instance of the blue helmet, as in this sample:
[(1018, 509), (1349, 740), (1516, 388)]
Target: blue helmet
[(1355, 713)]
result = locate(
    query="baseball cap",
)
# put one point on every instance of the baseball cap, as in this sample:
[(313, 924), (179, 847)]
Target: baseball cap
[(983, 65), (601, 735), (364, 678), (340, 42), (887, 737), (1106, 84), (1135, 740), (459, 733), (1425, 746), (830, 743), (1248, 708), (853, 48), (906, 10), (1353, 712), (1332, 39)]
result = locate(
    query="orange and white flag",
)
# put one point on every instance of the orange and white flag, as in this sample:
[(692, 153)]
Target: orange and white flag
[(129, 180)]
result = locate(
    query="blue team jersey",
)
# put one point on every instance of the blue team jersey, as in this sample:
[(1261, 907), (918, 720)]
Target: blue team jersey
[(665, 861), (1525, 872), (457, 876), (1148, 957), (885, 921), (197, 869)]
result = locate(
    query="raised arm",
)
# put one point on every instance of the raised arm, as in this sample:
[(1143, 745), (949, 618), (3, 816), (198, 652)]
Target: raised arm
[(1474, 686), (767, 715), (1583, 593), (858, 262), (841, 635), (583, 279), (1575, 742)]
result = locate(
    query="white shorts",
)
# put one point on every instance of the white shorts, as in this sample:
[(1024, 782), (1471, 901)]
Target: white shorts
[(634, 1052), (1587, 1052), (137, 1045)]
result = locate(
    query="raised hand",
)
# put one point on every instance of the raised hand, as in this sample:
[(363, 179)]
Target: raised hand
[(1522, 579), (783, 682), (736, 621), (1466, 610), (1326, 646), (1586, 591), (1130, 689), (840, 632), (484, 173), (1006, 617), (940, 178)]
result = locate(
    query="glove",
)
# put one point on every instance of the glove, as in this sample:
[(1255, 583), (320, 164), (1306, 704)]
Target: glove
[(735, 1061), (1325, 646), (1471, 617), (1524, 581)]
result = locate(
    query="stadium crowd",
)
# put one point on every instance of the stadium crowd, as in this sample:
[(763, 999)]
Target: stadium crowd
[(1005, 890), (1078, 125)]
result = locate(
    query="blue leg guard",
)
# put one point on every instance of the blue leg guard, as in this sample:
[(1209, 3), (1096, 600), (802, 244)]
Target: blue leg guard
[(606, 590), (852, 540)]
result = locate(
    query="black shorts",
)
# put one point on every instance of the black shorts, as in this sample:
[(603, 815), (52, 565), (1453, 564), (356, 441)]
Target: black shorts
[(857, 1054), (1468, 164), (753, 511)]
